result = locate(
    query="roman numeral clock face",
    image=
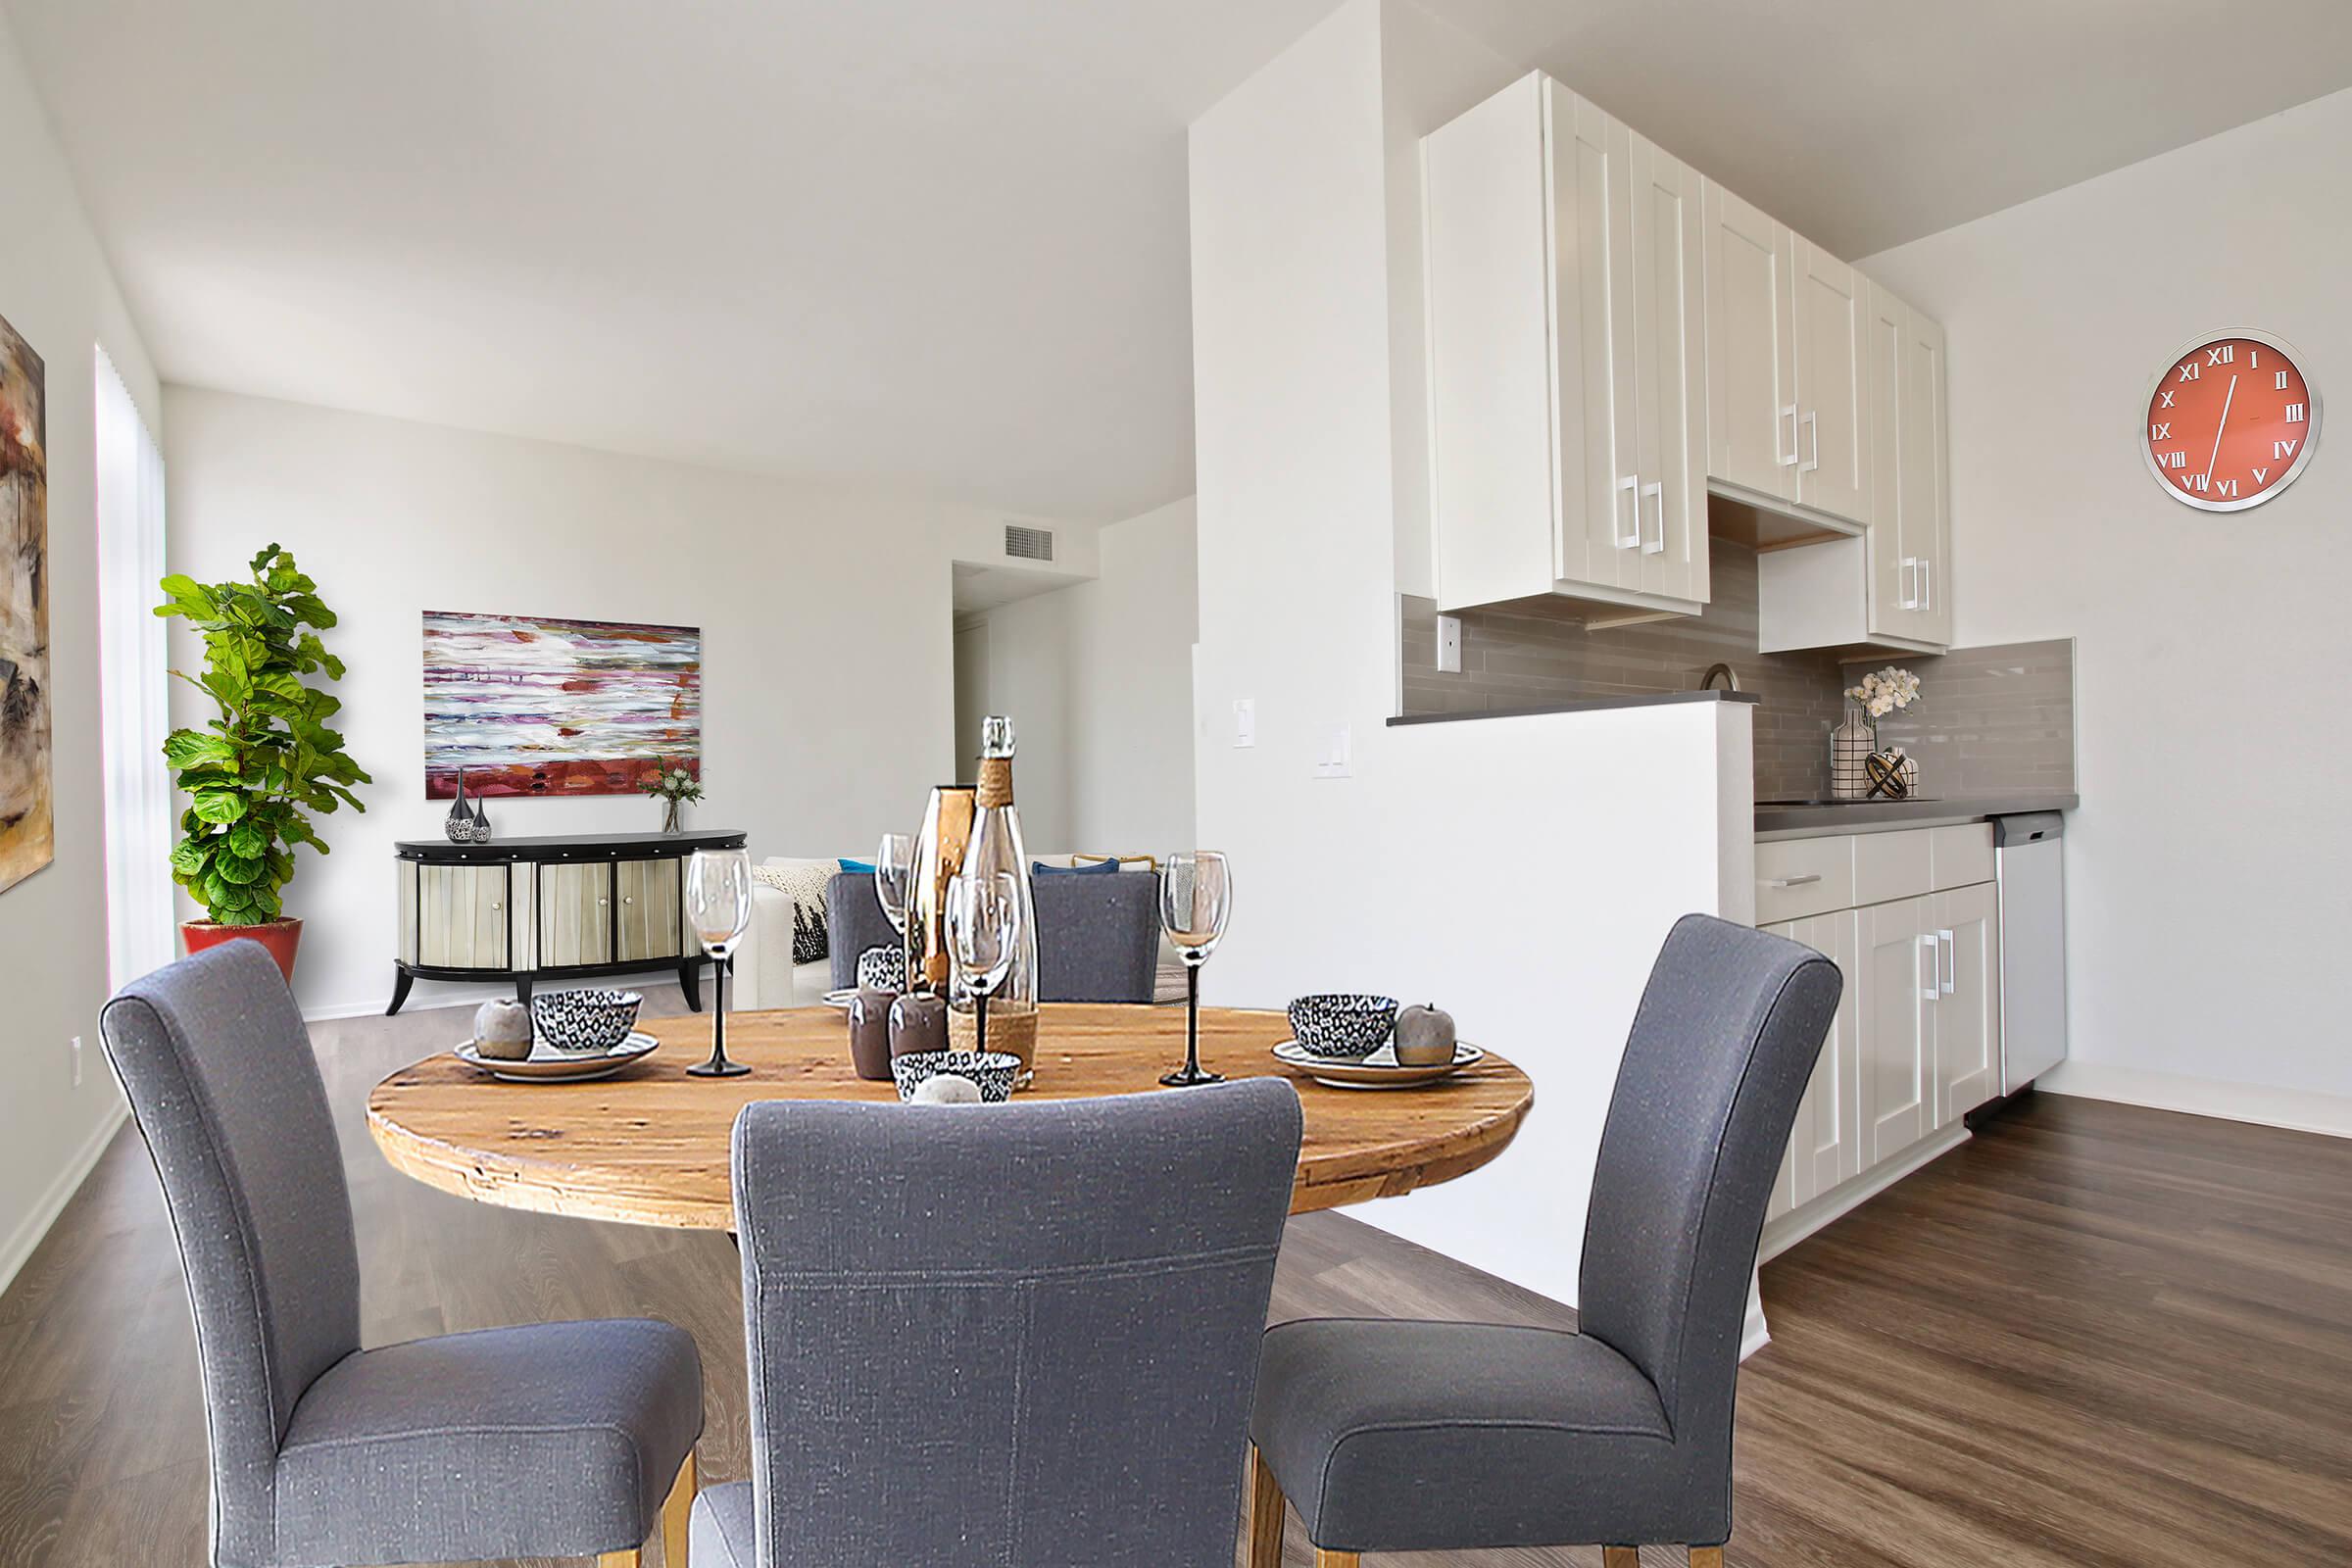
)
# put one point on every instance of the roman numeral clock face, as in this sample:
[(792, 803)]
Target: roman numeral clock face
[(2231, 422)]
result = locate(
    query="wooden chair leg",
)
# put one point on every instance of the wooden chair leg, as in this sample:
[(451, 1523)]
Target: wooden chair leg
[(1620, 1557), (1706, 1557), (1265, 1513), (674, 1511), (634, 1557), (1337, 1559)]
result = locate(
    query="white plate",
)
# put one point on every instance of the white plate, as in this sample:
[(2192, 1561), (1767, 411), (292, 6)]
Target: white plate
[(1379, 1070), (840, 999), (545, 1066)]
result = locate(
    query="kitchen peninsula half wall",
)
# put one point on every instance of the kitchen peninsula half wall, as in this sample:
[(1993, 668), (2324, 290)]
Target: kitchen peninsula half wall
[(1993, 719)]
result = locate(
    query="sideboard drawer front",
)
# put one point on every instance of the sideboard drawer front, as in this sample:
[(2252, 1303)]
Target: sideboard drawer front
[(1962, 855), (1893, 866), (648, 913), (576, 914), (459, 917), (1799, 877)]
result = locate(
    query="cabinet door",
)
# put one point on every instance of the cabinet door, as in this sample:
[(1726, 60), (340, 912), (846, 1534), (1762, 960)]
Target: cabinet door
[(1899, 991), (457, 917), (1669, 310), (1784, 1195), (1751, 374), (1967, 1043), (576, 914), (1592, 243), (1832, 444), (1832, 1149), (648, 916), (1927, 530), (1892, 594)]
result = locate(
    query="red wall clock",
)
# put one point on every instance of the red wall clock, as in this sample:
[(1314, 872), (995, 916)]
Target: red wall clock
[(2230, 421)]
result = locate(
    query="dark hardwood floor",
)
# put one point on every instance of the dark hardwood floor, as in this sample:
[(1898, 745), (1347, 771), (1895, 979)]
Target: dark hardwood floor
[(2093, 1335)]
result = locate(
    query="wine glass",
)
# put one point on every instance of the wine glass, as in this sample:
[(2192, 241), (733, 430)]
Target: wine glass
[(984, 929), (894, 877), (1196, 899), (718, 904)]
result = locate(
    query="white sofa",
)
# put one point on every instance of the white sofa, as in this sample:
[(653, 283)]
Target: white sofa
[(767, 978)]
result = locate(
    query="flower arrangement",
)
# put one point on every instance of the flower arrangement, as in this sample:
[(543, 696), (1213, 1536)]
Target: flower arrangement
[(674, 786), (1883, 690)]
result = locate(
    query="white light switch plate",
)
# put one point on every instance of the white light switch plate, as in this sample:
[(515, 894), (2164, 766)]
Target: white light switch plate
[(1335, 759), (1449, 644), (1244, 721)]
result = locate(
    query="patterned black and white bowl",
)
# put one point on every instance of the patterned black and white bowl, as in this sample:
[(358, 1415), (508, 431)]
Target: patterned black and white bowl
[(585, 1021), (882, 968), (991, 1071), (1343, 1023)]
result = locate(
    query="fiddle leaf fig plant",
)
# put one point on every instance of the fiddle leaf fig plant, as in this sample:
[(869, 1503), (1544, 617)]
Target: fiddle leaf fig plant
[(254, 773)]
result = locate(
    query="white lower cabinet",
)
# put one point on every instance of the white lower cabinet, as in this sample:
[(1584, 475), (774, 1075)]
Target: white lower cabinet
[(1915, 1042)]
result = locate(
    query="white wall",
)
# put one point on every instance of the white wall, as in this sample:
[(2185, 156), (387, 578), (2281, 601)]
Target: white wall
[(2209, 907), (57, 291), (827, 698), (1097, 679), (1520, 872)]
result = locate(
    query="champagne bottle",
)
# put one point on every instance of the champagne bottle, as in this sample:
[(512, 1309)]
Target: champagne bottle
[(996, 845)]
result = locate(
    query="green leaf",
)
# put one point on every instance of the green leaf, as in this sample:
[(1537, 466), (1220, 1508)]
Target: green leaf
[(219, 806), (187, 859), (187, 748)]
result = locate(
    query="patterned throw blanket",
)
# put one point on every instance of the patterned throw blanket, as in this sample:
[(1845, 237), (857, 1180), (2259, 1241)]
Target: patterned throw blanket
[(802, 882)]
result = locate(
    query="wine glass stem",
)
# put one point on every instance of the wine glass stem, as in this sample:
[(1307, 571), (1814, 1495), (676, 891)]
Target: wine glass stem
[(1192, 1020), (979, 1022), (718, 1015)]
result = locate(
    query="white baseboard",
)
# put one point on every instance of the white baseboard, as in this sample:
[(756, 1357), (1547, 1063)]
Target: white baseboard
[(1786, 1230), (2302, 1110), (60, 1191), (1753, 1337)]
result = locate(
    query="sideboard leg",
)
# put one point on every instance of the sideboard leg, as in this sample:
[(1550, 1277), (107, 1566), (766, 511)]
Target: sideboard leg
[(690, 981), (522, 989), (400, 981)]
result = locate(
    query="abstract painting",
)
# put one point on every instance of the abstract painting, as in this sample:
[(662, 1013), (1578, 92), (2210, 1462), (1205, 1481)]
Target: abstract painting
[(529, 706), (27, 835)]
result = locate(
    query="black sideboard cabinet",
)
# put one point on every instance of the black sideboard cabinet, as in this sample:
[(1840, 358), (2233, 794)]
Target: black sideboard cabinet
[(565, 906)]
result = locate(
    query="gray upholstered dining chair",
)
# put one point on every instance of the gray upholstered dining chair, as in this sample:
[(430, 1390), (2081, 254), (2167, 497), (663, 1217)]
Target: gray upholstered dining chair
[(548, 1440), (1021, 1334), (1403, 1436), (1098, 937)]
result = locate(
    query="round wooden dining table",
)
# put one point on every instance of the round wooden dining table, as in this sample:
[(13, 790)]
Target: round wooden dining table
[(649, 1146)]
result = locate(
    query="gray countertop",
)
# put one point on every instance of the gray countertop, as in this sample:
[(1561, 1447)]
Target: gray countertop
[(1812, 818), (1580, 704)]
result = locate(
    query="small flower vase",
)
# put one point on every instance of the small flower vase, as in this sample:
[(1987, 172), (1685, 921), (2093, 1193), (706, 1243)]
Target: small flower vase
[(1851, 745), (673, 812)]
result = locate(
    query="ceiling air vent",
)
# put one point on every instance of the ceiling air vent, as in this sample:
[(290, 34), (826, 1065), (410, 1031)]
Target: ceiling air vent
[(1028, 544)]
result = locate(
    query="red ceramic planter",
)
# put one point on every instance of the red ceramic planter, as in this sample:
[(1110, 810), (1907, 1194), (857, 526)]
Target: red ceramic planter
[(279, 937)]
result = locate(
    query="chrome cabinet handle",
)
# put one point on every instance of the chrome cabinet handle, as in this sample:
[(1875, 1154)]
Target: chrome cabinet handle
[(1949, 961), (1629, 486), (1786, 460), (1928, 992), (1907, 584), (1812, 422), (1652, 492), (1927, 583), (1805, 880)]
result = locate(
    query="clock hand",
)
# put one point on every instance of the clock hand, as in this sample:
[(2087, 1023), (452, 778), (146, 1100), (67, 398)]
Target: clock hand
[(2228, 399)]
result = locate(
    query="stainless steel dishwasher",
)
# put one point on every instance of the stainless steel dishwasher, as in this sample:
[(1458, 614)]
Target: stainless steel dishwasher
[(2031, 873)]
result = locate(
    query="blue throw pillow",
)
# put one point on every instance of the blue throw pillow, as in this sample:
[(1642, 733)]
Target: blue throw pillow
[(1091, 869), (859, 867)]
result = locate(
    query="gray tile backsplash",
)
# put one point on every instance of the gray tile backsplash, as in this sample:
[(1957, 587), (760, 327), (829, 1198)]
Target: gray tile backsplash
[(1988, 718)]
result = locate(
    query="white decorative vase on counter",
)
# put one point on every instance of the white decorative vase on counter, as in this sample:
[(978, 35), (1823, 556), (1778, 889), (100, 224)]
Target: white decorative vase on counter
[(1851, 745)]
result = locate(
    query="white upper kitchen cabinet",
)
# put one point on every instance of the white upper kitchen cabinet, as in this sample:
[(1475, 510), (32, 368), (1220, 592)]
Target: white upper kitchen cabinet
[(1751, 347), (1566, 335), (1892, 587), (1832, 404)]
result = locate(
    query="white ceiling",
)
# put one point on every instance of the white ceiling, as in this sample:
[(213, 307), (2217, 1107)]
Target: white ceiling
[(1863, 124), (942, 242)]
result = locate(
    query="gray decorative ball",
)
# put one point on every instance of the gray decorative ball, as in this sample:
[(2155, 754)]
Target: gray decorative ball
[(946, 1089), (502, 1030)]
